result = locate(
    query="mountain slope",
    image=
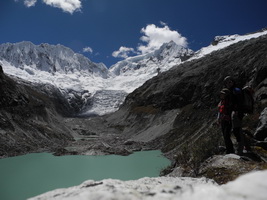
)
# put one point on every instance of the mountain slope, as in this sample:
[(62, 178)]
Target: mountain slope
[(29, 119), (176, 110)]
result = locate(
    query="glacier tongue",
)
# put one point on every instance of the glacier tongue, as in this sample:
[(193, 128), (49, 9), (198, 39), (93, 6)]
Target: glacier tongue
[(105, 101)]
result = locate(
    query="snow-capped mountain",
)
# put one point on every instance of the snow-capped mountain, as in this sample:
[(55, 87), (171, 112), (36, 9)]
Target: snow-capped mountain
[(221, 42), (101, 90), (50, 58), (168, 55)]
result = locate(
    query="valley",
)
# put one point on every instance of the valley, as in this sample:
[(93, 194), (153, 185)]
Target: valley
[(174, 111)]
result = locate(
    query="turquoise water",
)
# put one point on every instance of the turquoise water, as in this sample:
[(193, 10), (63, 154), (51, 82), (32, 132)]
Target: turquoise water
[(26, 176)]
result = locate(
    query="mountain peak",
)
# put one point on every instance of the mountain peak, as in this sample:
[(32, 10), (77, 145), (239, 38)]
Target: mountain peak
[(168, 55), (50, 58)]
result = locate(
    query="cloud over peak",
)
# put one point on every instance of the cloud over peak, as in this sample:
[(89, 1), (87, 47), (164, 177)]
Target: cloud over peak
[(155, 36), (152, 39), (123, 52)]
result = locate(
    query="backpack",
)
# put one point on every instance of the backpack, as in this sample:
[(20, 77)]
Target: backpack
[(248, 100)]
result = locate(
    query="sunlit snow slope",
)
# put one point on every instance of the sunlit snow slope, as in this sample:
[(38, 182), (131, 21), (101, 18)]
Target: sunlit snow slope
[(105, 88)]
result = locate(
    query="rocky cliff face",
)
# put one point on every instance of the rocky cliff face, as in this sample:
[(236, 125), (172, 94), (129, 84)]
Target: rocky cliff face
[(29, 119)]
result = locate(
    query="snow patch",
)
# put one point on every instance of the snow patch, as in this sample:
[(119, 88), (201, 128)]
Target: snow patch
[(225, 41), (249, 186)]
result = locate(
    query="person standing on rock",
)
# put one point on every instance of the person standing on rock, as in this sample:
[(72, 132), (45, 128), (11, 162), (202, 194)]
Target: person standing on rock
[(234, 108), (224, 119)]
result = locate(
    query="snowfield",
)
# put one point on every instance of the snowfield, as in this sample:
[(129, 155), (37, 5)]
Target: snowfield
[(252, 186)]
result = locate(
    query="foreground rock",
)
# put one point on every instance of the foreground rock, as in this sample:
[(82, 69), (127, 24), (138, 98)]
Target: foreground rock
[(250, 186)]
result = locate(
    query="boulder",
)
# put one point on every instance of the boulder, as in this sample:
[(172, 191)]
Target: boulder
[(225, 168)]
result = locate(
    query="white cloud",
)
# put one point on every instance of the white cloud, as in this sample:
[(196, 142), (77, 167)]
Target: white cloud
[(155, 36), (66, 5), (123, 52), (88, 50), (30, 3), (69, 6)]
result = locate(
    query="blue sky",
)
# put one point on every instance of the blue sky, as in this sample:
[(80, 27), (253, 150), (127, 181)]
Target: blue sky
[(110, 30)]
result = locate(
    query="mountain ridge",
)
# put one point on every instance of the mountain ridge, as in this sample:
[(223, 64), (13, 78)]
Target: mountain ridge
[(78, 78), (168, 53), (74, 73), (49, 58)]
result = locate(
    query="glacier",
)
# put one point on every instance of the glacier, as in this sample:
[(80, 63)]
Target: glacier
[(105, 89), (101, 89)]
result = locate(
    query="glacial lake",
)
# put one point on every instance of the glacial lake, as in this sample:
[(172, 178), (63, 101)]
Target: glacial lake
[(26, 176)]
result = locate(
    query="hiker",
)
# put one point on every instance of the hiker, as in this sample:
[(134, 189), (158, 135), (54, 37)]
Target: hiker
[(158, 70), (235, 100), (224, 119)]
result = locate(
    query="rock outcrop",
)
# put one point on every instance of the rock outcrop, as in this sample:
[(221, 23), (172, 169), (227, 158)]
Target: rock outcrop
[(29, 120)]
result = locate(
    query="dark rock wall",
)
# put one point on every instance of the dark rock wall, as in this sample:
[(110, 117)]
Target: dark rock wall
[(28, 119)]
